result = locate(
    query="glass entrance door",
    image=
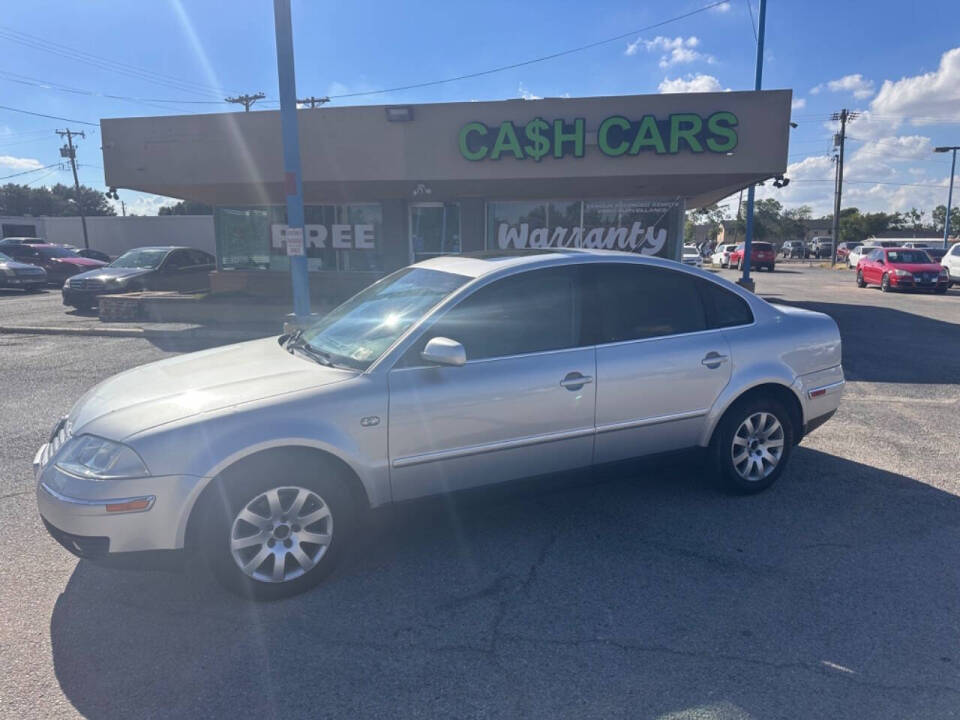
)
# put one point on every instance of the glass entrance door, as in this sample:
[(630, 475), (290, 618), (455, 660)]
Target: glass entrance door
[(434, 230)]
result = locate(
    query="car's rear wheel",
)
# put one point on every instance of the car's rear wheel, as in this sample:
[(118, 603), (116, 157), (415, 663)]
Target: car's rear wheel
[(861, 283), (753, 443), (885, 283), (740, 264), (268, 536)]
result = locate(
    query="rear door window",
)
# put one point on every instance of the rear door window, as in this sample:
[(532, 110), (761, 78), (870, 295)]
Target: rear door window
[(723, 307), (626, 301)]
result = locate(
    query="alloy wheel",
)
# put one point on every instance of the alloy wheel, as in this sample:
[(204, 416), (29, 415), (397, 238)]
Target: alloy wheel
[(757, 446), (281, 534)]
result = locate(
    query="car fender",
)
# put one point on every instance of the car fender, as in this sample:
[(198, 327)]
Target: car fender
[(770, 373)]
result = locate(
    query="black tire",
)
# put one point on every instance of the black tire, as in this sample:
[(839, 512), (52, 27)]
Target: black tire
[(940, 291), (740, 264), (770, 268), (885, 283), (861, 283), (237, 489), (722, 446)]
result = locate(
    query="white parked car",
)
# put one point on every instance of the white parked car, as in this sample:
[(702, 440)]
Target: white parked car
[(691, 256), (455, 372), (853, 257), (951, 261), (721, 256)]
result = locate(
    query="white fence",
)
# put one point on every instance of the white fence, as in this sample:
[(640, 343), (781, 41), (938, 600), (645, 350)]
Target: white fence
[(115, 235)]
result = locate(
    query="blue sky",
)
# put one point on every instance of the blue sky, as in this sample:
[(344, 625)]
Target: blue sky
[(898, 62)]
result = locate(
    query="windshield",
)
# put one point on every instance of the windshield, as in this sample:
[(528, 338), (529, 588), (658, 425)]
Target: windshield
[(365, 326), (907, 256), (5, 259), (149, 259)]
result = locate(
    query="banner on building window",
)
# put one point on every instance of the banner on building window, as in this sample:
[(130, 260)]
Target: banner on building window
[(648, 227)]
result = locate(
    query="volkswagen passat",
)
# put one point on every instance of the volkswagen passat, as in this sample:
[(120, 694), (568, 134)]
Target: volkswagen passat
[(452, 373)]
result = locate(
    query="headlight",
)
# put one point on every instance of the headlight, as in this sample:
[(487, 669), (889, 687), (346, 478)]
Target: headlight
[(943, 272), (95, 458), (902, 274)]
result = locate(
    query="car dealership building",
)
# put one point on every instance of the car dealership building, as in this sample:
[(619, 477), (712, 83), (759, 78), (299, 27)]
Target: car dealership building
[(384, 186)]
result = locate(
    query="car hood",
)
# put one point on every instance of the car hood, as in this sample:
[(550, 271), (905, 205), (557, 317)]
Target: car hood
[(79, 261), (195, 383), (108, 273), (14, 265)]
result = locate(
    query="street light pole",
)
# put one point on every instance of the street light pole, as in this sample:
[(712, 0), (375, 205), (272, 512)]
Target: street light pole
[(748, 240), (292, 179), (953, 168)]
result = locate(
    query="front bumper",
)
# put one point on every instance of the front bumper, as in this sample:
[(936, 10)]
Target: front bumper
[(913, 284), (23, 281), (92, 518), (83, 297)]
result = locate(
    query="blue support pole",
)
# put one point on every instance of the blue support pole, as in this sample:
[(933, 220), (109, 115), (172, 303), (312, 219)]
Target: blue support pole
[(946, 221), (293, 184), (748, 240)]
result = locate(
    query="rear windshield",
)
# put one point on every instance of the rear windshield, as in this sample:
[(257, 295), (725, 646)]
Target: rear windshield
[(762, 246), (907, 256)]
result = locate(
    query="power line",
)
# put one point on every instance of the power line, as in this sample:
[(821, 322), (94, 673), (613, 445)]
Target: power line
[(38, 43), (52, 117), (872, 182), (532, 61), (49, 85), (753, 23), (27, 172), (246, 100)]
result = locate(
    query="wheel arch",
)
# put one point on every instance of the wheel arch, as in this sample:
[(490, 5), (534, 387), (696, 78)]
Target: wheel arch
[(268, 458), (779, 390)]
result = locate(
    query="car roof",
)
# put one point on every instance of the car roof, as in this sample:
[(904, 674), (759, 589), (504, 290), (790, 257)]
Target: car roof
[(162, 247), (480, 264)]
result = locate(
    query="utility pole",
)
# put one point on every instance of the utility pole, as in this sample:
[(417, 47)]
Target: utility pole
[(69, 151), (292, 177), (844, 116), (123, 208), (953, 169), (748, 240), (313, 101), (245, 100)]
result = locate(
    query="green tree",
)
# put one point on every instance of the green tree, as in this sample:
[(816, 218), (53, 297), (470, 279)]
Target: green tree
[(57, 201), (186, 207), (939, 216)]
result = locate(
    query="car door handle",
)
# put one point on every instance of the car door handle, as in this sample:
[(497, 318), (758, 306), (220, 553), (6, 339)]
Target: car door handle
[(713, 360), (575, 381)]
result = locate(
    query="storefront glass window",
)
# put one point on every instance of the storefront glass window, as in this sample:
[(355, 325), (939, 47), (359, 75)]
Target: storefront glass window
[(337, 237), (434, 230), (650, 227)]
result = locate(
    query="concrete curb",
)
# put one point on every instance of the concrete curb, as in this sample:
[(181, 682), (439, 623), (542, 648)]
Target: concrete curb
[(147, 333)]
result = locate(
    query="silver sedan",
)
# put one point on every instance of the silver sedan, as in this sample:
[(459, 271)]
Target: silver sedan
[(449, 374)]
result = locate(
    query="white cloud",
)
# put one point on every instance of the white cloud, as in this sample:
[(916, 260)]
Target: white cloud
[(524, 93), (19, 163), (894, 148), (691, 84), (856, 84), (928, 98), (815, 90), (676, 51), (142, 203), (798, 104), (721, 8)]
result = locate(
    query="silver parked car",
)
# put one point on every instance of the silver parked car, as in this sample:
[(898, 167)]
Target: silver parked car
[(452, 373)]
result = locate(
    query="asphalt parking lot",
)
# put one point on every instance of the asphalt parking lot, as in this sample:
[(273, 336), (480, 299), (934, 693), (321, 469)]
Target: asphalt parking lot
[(640, 592)]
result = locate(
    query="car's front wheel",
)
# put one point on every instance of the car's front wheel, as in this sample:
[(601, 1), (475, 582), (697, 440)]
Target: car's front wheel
[(270, 537), (885, 283), (753, 443), (861, 283)]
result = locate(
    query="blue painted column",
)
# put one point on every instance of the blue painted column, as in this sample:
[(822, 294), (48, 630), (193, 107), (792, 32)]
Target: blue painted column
[(748, 240), (293, 183)]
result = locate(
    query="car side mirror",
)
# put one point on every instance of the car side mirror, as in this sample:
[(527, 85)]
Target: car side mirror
[(444, 351), (881, 262)]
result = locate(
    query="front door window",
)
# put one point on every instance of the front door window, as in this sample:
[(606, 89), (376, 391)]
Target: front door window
[(434, 230)]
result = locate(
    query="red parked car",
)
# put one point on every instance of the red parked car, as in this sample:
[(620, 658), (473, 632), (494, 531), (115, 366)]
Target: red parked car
[(762, 255), (59, 262), (901, 269)]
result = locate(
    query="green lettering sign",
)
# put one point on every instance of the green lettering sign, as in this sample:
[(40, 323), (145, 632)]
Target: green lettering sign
[(648, 135), (506, 142), (617, 136), (469, 129), (603, 136)]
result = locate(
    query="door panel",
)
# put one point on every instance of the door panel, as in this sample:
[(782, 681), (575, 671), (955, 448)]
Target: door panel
[(653, 395), (489, 421)]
